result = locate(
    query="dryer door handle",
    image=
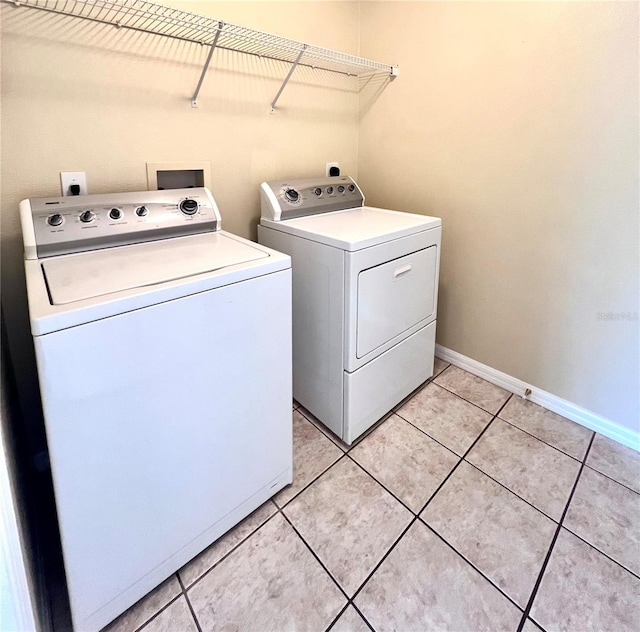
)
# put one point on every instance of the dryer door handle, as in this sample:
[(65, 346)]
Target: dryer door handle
[(402, 270)]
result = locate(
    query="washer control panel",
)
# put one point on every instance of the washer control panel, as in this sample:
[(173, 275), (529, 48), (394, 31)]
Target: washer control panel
[(282, 200), (63, 225)]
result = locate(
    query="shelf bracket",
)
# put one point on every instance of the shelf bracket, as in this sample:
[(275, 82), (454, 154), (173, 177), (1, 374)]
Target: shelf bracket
[(194, 99), (272, 108)]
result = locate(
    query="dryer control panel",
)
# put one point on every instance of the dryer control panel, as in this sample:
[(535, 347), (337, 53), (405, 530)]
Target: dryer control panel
[(63, 225), (282, 200)]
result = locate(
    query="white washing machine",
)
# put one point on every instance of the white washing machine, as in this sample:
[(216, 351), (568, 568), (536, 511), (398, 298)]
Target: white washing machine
[(365, 293), (167, 401)]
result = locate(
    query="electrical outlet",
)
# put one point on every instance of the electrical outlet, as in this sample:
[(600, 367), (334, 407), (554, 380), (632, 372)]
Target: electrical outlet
[(69, 178), (331, 165)]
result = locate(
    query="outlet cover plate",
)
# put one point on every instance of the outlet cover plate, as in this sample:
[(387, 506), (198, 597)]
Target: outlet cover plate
[(67, 178), (328, 167)]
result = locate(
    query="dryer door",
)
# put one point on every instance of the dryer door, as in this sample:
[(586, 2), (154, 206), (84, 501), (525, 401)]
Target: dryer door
[(392, 292), (394, 296)]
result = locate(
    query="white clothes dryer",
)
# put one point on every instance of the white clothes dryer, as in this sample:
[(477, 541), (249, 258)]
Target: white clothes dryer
[(365, 294), (167, 402)]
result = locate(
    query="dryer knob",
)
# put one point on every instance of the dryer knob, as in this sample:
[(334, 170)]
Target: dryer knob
[(141, 211), (291, 195), (87, 216), (55, 220), (189, 206)]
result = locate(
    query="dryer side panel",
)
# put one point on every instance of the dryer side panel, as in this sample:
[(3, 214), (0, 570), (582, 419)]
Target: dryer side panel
[(318, 326)]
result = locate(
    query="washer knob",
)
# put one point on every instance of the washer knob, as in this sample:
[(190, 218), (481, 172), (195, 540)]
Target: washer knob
[(55, 220), (87, 216), (141, 211), (115, 213), (189, 206), (329, 190), (291, 195), (352, 188), (318, 191), (340, 189)]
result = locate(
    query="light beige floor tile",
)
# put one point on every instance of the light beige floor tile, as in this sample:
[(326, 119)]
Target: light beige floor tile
[(530, 626), (472, 388), (607, 515), (535, 471), (313, 453), (446, 417), (424, 585), (405, 461), (350, 621), (325, 431), (439, 366), (144, 609), (271, 582), (558, 431), (349, 521), (213, 554), (583, 591), (501, 535), (176, 617), (616, 461)]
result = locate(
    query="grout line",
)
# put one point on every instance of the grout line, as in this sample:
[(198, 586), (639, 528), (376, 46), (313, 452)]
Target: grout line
[(324, 430), (464, 399), (384, 557), (155, 615), (335, 619), (431, 437), (362, 467), (593, 469), (363, 617), (470, 563), (311, 482), (524, 500), (593, 546), (193, 612), (553, 543), (335, 581), (542, 440), (463, 457), (230, 551), (412, 522), (413, 393)]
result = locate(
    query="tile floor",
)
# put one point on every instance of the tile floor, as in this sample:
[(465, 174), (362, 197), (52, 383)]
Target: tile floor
[(466, 509)]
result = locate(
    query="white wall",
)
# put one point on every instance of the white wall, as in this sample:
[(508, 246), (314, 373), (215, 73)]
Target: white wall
[(517, 123), (82, 96)]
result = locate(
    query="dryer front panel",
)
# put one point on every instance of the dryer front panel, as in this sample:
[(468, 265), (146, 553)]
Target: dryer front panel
[(392, 292)]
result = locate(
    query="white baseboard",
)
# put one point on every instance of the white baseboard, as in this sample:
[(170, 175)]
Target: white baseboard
[(556, 404)]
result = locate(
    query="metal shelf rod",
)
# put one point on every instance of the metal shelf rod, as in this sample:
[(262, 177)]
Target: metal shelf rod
[(147, 17), (194, 99)]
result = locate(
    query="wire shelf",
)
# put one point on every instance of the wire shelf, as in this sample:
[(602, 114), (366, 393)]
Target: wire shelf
[(147, 17)]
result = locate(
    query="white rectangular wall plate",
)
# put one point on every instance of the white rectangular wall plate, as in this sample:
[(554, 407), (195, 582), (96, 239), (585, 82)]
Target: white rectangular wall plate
[(178, 175), (71, 178)]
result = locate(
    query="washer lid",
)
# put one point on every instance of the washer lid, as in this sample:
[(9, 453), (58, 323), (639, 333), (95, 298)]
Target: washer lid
[(356, 228), (87, 275)]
